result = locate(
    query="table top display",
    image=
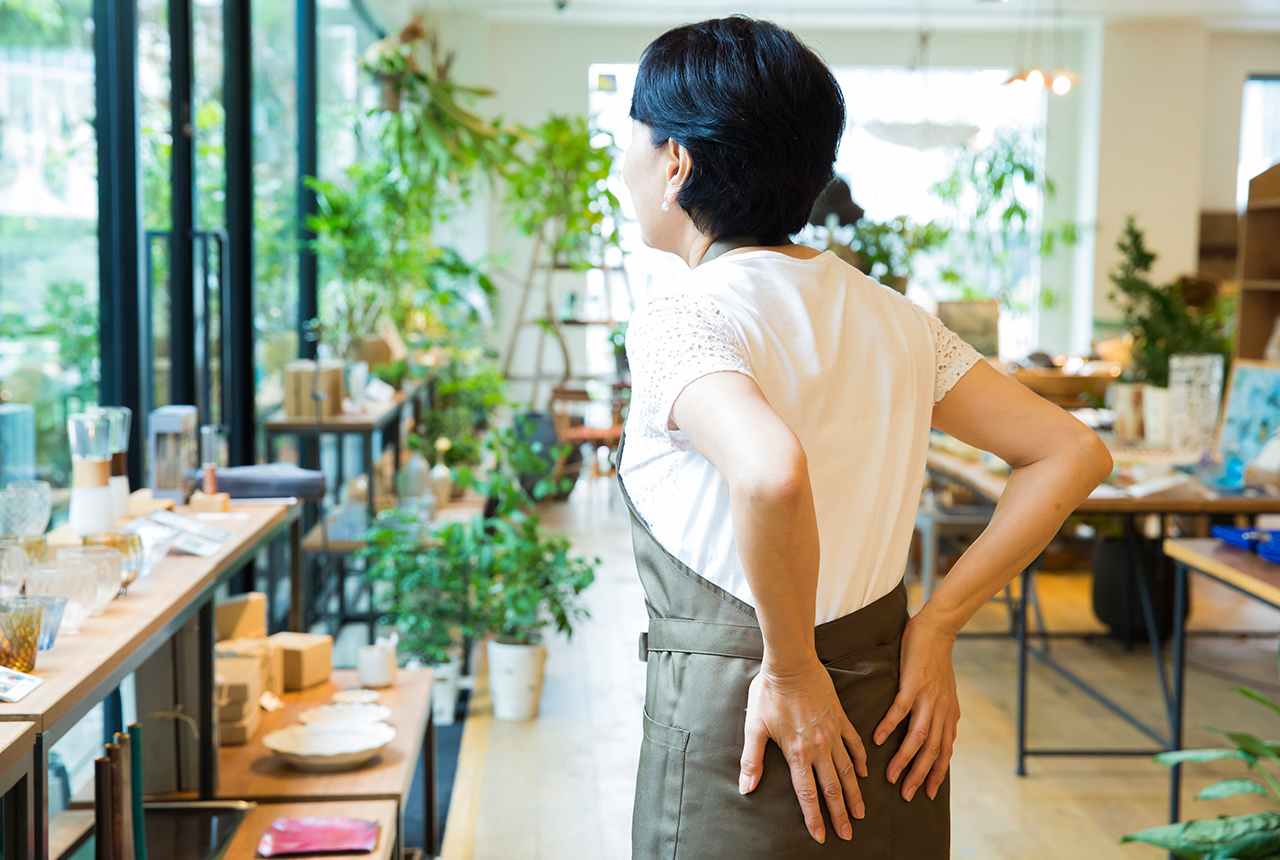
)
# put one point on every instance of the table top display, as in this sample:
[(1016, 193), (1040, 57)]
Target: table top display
[(253, 772), (75, 665), (373, 416), (1183, 497), (1237, 567), (382, 813)]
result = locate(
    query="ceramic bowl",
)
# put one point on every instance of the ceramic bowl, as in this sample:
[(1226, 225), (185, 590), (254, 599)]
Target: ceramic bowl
[(330, 746), (348, 712), (356, 696)]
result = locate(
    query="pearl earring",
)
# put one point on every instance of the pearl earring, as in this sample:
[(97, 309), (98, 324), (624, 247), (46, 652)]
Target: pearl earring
[(666, 207)]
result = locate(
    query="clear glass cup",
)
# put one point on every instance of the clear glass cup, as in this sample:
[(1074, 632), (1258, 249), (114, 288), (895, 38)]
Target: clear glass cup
[(13, 570), (20, 619), (89, 434), (54, 606), (130, 546), (36, 506), (108, 562), (35, 547), (76, 580)]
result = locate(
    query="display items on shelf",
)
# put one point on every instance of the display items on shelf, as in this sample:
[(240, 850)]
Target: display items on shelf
[(89, 434), (171, 434), (121, 418)]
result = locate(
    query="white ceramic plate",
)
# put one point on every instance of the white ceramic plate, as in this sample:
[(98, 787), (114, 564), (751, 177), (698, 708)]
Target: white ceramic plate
[(346, 712), (330, 746), (356, 696)]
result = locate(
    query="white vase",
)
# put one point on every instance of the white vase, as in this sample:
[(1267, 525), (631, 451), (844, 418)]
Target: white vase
[(1125, 399), (415, 476), (444, 691), (442, 483), (1155, 416), (515, 679)]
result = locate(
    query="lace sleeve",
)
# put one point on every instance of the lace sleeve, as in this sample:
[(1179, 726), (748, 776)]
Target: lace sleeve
[(953, 358), (671, 342)]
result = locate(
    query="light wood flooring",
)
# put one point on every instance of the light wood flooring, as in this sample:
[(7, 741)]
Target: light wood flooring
[(561, 786)]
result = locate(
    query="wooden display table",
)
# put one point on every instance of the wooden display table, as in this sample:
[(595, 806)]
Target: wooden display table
[(1191, 500), (251, 772), (17, 789), (376, 418), (244, 846), (81, 671)]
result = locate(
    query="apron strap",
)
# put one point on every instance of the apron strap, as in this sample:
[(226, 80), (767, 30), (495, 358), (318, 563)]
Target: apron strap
[(687, 636)]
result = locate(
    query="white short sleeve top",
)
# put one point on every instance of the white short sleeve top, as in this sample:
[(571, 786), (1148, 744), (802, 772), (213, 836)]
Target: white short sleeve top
[(854, 369)]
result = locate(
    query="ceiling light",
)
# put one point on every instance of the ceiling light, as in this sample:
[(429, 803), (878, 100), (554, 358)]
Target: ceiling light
[(1035, 79), (1061, 85)]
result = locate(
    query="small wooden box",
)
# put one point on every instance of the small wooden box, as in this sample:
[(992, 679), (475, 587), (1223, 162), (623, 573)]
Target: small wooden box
[(270, 652), (300, 376)]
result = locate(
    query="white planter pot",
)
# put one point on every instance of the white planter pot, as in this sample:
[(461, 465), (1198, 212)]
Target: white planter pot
[(1125, 399), (1155, 416), (515, 679), (444, 691)]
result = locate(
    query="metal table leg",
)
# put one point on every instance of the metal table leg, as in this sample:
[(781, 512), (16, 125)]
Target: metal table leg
[(297, 590), (370, 507), (430, 821), (1179, 685), (40, 796), (1022, 671), (207, 723)]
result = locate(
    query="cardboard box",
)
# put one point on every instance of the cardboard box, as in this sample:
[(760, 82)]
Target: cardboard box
[(237, 712), (234, 734), (243, 616), (238, 679), (308, 659), (273, 659)]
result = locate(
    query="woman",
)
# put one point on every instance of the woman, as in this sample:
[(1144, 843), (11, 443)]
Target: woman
[(774, 455)]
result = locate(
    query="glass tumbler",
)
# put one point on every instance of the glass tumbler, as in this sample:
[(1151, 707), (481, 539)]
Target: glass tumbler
[(76, 580), (54, 606), (34, 547), (13, 570), (20, 632), (91, 507), (130, 546), (108, 562), (36, 506)]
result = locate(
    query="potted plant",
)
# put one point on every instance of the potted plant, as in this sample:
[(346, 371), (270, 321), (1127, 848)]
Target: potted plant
[(1163, 323), (886, 249), (1241, 836), (532, 581), (422, 584)]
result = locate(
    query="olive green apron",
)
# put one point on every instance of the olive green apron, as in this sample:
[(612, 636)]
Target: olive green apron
[(703, 647)]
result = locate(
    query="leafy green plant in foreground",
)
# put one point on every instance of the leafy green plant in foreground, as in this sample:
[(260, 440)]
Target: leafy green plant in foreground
[(1255, 836)]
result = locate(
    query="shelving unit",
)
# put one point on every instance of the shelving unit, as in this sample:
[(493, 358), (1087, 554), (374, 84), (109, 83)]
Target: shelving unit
[(1259, 265)]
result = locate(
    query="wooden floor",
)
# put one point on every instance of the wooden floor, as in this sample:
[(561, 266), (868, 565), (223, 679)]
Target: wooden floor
[(561, 786)]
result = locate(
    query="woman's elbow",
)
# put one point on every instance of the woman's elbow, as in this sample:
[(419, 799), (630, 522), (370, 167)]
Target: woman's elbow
[(1094, 457), (781, 479)]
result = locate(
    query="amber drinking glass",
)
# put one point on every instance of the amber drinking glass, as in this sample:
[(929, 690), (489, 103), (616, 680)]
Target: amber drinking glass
[(130, 547), (20, 619)]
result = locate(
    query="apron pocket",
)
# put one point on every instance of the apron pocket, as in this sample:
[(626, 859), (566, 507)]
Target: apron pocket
[(878, 661), (659, 789)]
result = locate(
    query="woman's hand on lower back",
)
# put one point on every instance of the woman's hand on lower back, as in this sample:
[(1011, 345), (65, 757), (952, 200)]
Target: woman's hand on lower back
[(800, 711), (926, 692)]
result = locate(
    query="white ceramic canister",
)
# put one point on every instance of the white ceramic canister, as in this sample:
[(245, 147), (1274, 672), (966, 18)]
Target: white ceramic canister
[(515, 679), (376, 666)]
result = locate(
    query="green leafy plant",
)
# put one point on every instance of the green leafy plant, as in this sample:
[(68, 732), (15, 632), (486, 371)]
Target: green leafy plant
[(886, 249), (1163, 323), (997, 229), (1242, 837), (465, 393), (618, 338), (558, 192), (426, 582)]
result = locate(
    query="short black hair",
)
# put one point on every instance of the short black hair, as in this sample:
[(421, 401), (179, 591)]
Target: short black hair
[(760, 114)]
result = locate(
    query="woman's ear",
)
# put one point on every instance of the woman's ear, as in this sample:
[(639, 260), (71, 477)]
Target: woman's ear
[(678, 167)]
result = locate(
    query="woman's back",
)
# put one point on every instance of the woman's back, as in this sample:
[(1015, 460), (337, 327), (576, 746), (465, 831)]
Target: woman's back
[(852, 367)]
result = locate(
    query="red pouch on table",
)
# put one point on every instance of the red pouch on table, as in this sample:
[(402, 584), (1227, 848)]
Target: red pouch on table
[(317, 836)]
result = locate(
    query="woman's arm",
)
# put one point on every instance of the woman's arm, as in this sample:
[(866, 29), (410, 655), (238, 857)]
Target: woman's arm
[(792, 700), (1056, 462)]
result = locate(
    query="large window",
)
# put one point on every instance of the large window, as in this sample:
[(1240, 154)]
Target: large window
[(1259, 132), (48, 233)]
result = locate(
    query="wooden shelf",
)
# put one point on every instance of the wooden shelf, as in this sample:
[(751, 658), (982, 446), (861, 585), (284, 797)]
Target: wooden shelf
[(68, 830), (1259, 266), (1266, 203), (1259, 284)]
